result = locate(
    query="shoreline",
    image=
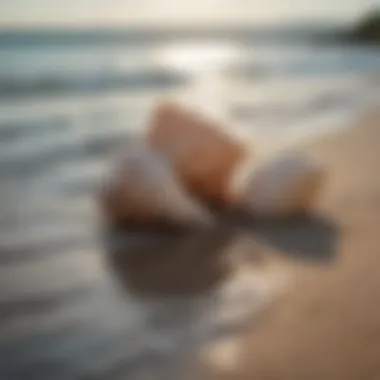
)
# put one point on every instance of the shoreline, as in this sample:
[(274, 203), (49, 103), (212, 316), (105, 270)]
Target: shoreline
[(297, 345), (309, 140)]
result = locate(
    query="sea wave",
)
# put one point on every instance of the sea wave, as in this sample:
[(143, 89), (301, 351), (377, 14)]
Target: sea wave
[(60, 83)]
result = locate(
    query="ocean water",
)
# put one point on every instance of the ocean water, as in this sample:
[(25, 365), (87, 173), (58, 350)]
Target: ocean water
[(67, 101)]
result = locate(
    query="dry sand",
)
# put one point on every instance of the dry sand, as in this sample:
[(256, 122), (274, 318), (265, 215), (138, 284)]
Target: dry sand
[(328, 325)]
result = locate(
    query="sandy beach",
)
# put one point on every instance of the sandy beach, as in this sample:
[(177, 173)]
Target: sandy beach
[(325, 326)]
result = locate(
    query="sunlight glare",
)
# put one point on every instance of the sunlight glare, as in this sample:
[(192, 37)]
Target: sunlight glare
[(197, 56)]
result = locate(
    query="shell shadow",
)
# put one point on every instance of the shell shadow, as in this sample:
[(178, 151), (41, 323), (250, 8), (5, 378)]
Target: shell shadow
[(304, 237), (182, 261)]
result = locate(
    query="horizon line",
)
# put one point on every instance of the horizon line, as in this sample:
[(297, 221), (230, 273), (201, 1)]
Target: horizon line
[(146, 26)]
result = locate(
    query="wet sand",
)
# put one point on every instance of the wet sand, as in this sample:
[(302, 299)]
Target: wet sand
[(327, 325), (74, 307)]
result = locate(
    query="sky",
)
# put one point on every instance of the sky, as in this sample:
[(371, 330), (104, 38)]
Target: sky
[(174, 12)]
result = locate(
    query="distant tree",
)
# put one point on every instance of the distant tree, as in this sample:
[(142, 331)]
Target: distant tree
[(368, 28)]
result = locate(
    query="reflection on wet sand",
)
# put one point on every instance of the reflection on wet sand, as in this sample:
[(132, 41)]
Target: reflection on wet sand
[(173, 262)]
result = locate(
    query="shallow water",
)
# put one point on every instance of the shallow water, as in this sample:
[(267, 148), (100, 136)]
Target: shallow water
[(64, 108)]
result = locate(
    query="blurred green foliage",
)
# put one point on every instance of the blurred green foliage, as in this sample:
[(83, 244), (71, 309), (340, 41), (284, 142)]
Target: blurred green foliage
[(368, 28)]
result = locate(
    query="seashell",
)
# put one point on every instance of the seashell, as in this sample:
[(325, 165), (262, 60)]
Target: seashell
[(286, 184), (202, 154), (142, 189)]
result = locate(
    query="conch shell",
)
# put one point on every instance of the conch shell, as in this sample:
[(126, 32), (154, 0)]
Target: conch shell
[(203, 156)]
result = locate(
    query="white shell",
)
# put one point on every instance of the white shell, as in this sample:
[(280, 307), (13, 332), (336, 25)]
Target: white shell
[(145, 188), (286, 184)]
